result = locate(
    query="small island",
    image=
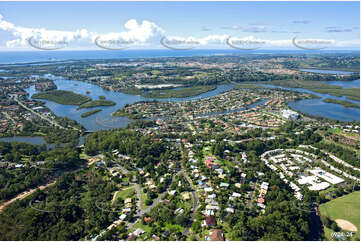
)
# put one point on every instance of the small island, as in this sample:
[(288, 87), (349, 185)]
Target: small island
[(97, 103), (344, 103), (87, 114), (63, 97)]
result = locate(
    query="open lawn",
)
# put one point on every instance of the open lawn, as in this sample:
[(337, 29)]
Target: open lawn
[(139, 224), (346, 207), (126, 193), (143, 196)]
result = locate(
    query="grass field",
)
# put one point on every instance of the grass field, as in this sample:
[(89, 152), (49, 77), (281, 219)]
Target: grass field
[(126, 193), (144, 198), (346, 207)]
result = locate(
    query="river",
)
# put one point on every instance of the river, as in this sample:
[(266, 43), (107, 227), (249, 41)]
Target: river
[(317, 107), (103, 120), (343, 84), (36, 140), (25, 139), (326, 71)]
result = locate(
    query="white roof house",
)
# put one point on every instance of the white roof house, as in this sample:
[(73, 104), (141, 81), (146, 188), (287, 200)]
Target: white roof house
[(212, 196), (138, 232), (235, 194), (208, 189), (223, 184), (230, 210), (299, 196), (261, 205), (172, 192)]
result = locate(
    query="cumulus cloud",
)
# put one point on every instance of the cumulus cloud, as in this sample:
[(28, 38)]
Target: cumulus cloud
[(134, 32), (137, 33), (146, 33), (23, 34)]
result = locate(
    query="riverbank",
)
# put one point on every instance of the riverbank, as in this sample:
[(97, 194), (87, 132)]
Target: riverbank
[(248, 86), (328, 70), (179, 93), (170, 93)]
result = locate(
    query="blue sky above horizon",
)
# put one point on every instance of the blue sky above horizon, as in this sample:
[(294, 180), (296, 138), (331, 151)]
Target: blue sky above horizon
[(268, 25)]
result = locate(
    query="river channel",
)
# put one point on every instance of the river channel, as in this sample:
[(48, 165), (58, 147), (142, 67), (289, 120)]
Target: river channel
[(103, 120)]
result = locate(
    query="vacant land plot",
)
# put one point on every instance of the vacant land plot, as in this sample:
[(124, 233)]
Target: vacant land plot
[(126, 193)]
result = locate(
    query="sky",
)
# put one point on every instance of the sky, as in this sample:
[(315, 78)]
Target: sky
[(179, 25)]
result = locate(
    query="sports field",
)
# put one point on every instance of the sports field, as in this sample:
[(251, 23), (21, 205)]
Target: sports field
[(345, 211)]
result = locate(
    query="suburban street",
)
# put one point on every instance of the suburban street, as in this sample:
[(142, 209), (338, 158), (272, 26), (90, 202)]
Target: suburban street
[(39, 115), (195, 202)]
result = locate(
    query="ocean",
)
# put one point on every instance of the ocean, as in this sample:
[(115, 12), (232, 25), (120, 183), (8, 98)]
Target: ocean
[(16, 57)]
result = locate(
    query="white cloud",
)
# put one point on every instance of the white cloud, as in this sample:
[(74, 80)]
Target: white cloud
[(138, 33), (23, 34), (143, 33)]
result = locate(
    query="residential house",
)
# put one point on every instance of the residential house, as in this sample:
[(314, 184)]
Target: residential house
[(210, 221), (215, 235)]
